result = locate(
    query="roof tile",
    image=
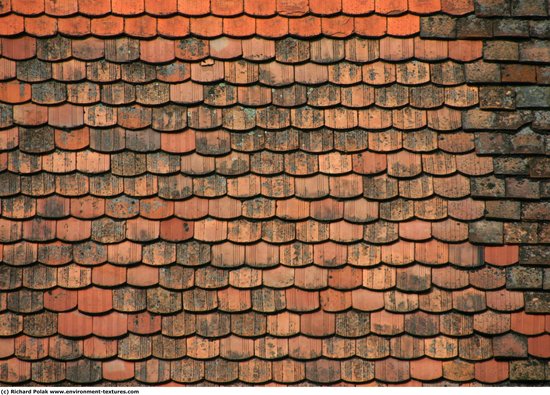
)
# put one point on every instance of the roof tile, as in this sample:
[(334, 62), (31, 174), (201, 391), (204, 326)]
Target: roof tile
[(31, 7), (117, 370)]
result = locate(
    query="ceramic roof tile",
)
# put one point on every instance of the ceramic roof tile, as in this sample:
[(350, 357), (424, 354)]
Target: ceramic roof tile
[(326, 179)]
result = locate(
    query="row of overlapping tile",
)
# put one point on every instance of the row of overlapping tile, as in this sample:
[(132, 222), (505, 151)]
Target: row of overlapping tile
[(259, 8), (287, 50), (274, 18), (274, 192)]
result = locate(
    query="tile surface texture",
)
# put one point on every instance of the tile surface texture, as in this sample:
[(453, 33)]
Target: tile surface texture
[(275, 192)]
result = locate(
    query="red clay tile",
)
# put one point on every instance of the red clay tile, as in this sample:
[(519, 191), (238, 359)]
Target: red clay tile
[(74, 324), (399, 253), (382, 277), (19, 207), (158, 50), (283, 324), (107, 26), (12, 324), (455, 7), (233, 300), (527, 324), (76, 26), (504, 300), (245, 277), (385, 323), (399, 302), (243, 231), (405, 25), (74, 276), (19, 48), (66, 115), (274, 27), (337, 26), (87, 207), (118, 370), (99, 348), (27, 7), (95, 300), (166, 8), (190, 7), (71, 70), (292, 209), (253, 49), (466, 209), (226, 8), (241, 26), (142, 26), (302, 347), (469, 300), (60, 299), (30, 114), (539, 346), (392, 370), (60, 7), (335, 301), (155, 208), (110, 325), (208, 26), (502, 255), (6, 347), (518, 73), (193, 208), (465, 50), (362, 50), (441, 347), (176, 26), (458, 370), (491, 371), (430, 49), (323, 8), (210, 230), (29, 348), (144, 323), (391, 7), (492, 323), (225, 48), (307, 26), (465, 254), (36, 230), (236, 348), (406, 347), (72, 229), (450, 230), (16, 371), (11, 25), (424, 6), (7, 69), (72, 140), (124, 253), (426, 369), (260, 7), (357, 7), (108, 275), (323, 371), (127, 7), (366, 300), (345, 278), (143, 276), (14, 92), (292, 8)]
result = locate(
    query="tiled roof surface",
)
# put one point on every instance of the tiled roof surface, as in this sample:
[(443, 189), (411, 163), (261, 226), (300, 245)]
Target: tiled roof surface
[(281, 192)]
